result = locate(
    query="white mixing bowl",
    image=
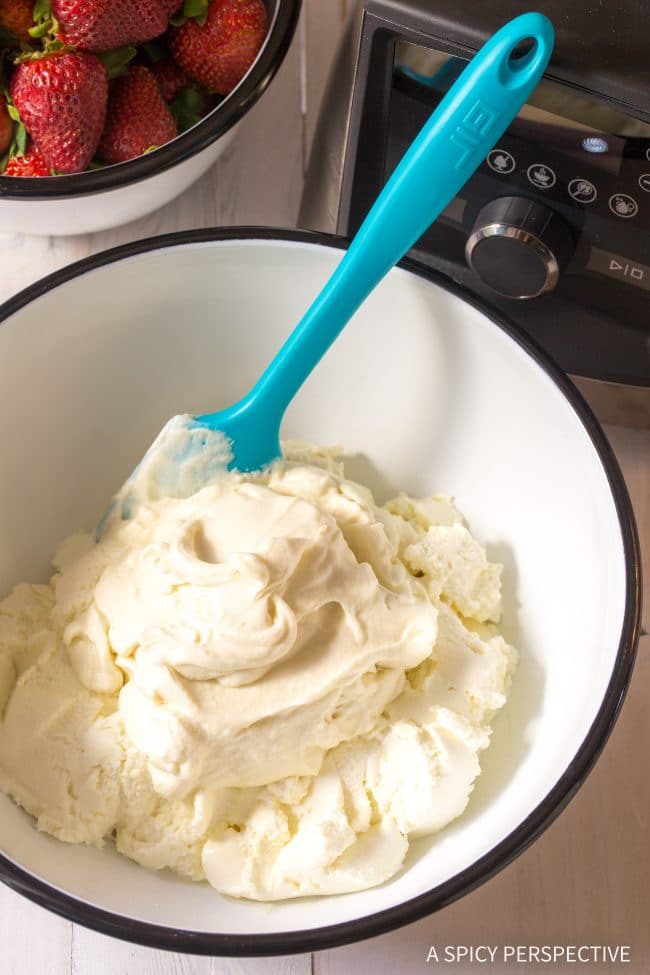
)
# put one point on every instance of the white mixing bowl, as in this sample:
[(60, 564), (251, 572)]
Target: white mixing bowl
[(427, 393)]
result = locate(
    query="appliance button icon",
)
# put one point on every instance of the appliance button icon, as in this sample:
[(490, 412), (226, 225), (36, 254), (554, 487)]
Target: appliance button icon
[(623, 205), (583, 190), (501, 161), (644, 182), (636, 273), (541, 176), (647, 153)]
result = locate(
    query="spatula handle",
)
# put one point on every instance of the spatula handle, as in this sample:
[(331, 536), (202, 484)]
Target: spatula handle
[(452, 144)]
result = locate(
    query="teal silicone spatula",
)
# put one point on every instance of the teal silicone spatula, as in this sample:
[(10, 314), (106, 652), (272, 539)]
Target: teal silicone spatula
[(452, 144)]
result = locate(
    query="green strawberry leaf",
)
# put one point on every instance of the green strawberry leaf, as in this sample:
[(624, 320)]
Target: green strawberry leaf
[(40, 30), (42, 10), (117, 61), (196, 8), (155, 50), (149, 149), (44, 22), (187, 107), (46, 28), (12, 111), (192, 9), (20, 140), (52, 45)]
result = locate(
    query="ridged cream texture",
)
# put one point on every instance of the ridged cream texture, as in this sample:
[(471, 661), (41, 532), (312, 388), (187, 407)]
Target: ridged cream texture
[(274, 684)]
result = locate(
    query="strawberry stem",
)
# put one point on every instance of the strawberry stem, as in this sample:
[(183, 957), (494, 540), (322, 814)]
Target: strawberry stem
[(155, 50), (42, 10), (44, 22), (192, 9), (187, 108), (117, 61)]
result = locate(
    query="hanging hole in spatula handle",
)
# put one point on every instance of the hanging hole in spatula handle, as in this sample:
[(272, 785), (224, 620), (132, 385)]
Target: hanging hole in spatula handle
[(526, 53), (518, 57)]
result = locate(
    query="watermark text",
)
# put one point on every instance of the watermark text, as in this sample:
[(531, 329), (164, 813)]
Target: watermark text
[(529, 954)]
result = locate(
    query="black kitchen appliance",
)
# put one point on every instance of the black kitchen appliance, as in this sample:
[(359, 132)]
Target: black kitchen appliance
[(554, 228)]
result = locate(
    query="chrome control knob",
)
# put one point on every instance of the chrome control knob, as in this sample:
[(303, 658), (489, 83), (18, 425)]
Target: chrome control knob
[(518, 247)]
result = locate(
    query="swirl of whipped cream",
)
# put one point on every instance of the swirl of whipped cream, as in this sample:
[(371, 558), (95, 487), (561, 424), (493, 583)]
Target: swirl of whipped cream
[(257, 623), (201, 606)]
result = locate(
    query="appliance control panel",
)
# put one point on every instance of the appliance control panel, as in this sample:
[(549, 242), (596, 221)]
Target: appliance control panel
[(553, 229), (587, 164)]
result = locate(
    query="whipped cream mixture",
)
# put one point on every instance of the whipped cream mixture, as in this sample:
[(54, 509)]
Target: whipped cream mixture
[(274, 683)]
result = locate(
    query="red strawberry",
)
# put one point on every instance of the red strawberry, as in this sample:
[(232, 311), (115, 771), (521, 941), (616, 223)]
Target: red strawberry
[(218, 54), (137, 118), (101, 25), (6, 127), (16, 16), (171, 79), (31, 164), (62, 101)]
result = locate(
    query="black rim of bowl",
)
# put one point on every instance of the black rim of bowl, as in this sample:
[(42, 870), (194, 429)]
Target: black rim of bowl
[(215, 124), (316, 939)]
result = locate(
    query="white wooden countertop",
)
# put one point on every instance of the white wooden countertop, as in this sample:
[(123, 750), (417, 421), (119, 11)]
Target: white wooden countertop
[(586, 881)]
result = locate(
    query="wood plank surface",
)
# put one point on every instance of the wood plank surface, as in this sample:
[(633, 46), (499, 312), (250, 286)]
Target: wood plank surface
[(32, 940), (94, 954)]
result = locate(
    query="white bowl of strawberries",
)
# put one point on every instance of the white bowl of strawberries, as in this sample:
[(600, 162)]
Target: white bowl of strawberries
[(109, 108)]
